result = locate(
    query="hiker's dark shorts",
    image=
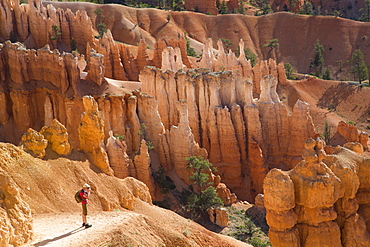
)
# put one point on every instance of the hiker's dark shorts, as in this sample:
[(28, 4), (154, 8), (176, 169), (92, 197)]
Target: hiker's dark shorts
[(84, 209)]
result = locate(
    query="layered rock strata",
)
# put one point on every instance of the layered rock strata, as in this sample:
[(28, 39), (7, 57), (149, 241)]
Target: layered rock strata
[(316, 203)]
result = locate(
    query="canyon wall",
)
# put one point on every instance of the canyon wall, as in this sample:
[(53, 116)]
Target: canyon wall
[(184, 112), (244, 137), (36, 25)]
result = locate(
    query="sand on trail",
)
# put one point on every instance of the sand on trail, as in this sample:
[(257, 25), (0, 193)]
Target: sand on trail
[(147, 226), (65, 229)]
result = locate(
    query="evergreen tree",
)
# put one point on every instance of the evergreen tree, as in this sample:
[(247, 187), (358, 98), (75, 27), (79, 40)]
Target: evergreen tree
[(207, 196), (272, 44), (73, 45), (223, 8), (250, 56), (289, 70), (227, 43), (307, 8), (326, 75), (318, 61), (358, 67), (265, 8), (241, 9), (365, 12)]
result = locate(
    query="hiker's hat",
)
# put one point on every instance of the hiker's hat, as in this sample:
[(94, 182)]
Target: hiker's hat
[(86, 186)]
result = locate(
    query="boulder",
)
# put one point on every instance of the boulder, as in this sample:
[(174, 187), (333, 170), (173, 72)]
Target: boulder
[(34, 143), (218, 216), (57, 136)]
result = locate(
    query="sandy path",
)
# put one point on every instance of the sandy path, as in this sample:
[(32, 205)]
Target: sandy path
[(64, 229)]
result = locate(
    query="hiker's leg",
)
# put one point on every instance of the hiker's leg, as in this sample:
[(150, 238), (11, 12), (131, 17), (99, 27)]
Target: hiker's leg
[(84, 213)]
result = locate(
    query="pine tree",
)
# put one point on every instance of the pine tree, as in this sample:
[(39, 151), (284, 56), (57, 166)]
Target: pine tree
[(207, 197), (73, 45), (358, 67), (272, 44), (223, 8), (318, 61), (326, 75), (365, 12)]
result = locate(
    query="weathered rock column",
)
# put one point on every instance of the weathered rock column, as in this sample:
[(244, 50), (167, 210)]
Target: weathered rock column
[(91, 135)]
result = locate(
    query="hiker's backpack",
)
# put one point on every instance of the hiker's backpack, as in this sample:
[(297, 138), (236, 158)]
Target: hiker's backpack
[(78, 197)]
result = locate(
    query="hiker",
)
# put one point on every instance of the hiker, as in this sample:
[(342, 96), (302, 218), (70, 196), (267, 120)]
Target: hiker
[(84, 194)]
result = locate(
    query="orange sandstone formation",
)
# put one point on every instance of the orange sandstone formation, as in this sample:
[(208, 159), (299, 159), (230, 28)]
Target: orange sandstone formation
[(239, 133), (347, 132), (118, 158), (34, 143), (16, 219), (317, 202), (142, 165), (91, 135), (57, 137)]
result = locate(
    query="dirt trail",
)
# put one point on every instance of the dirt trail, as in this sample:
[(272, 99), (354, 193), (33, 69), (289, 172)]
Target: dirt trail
[(64, 229)]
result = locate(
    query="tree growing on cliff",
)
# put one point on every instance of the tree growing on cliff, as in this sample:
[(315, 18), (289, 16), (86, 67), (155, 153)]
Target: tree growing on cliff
[(227, 43), (272, 44), (265, 8), (241, 8), (318, 61), (249, 55), (207, 197), (100, 26), (73, 44), (56, 32), (189, 50), (358, 67)]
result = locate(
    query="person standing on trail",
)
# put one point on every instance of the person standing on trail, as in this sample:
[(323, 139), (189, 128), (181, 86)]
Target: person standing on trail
[(84, 194)]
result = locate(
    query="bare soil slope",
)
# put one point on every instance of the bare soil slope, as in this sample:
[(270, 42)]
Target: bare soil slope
[(332, 101)]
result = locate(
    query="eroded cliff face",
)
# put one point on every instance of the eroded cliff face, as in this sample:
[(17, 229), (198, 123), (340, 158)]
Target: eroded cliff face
[(184, 112), (320, 201), (244, 137), (37, 25)]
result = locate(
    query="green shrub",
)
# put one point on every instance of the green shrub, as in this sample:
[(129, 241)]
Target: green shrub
[(257, 242), (119, 137), (189, 50), (289, 70)]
